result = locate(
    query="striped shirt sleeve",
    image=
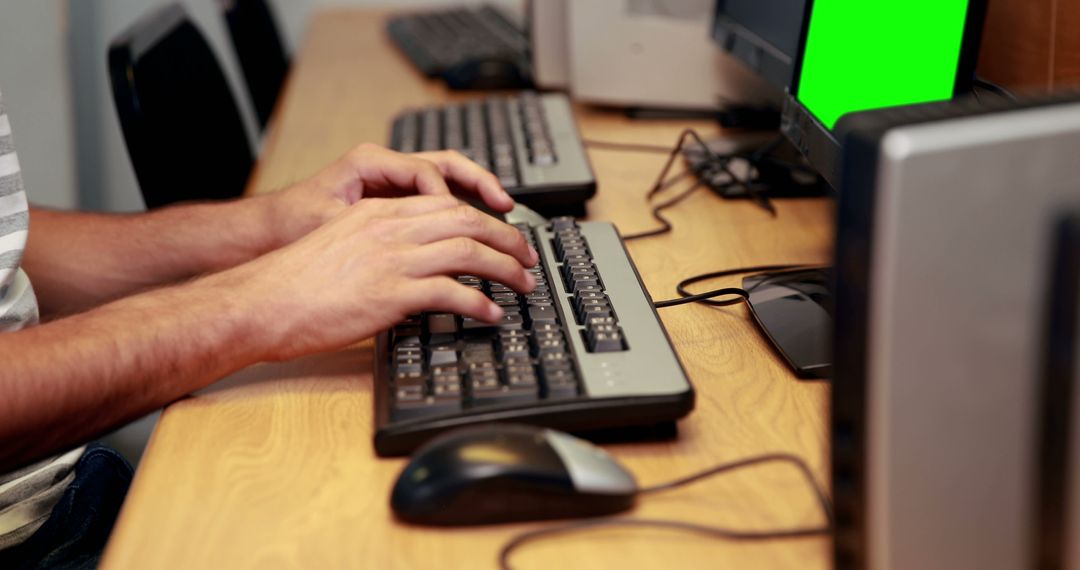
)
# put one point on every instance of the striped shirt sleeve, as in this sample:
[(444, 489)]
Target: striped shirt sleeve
[(27, 496), (18, 306)]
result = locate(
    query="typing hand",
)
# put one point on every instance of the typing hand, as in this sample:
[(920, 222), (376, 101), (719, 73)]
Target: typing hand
[(373, 264), (370, 171)]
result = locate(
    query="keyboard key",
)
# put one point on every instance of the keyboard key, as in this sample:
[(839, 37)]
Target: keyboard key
[(543, 313), (605, 338), (441, 355), (511, 320), (409, 378), (441, 323), (563, 223), (410, 393), (447, 391)]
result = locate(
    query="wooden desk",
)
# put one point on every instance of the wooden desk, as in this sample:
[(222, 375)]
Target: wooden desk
[(274, 467)]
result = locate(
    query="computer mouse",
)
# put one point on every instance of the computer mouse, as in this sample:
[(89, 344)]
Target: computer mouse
[(484, 74), (501, 473), (794, 309)]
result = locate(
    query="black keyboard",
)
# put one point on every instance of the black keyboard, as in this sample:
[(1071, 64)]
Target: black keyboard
[(530, 141), (471, 48), (585, 351)]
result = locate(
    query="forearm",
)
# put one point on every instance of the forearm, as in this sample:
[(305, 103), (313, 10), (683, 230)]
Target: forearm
[(70, 380), (79, 260)]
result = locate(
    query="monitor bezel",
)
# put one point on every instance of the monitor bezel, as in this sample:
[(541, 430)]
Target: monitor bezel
[(735, 32), (817, 142)]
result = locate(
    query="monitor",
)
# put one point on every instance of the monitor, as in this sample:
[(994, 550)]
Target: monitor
[(945, 231), (855, 56), (762, 34)]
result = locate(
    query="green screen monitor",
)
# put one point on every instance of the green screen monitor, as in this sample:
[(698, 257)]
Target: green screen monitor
[(859, 55)]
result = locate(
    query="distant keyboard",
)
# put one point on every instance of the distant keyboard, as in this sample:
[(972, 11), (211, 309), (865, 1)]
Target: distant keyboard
[(472, 48), (584, 351), (530, 141)]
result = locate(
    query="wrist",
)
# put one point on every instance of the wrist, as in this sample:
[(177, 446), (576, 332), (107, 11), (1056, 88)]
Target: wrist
[(253, 315), (270, 219), (292, 213)]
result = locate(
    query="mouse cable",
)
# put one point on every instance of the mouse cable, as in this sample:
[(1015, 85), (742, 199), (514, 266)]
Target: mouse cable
[(712, 531), (685, 296)]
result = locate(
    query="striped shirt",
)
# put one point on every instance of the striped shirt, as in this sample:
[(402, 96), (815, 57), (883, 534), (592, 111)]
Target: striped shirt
[(18, 306), (28, 495)]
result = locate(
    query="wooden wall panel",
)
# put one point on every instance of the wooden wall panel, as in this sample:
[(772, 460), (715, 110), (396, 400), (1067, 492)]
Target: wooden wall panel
[(1067, 45), (1032, 45)]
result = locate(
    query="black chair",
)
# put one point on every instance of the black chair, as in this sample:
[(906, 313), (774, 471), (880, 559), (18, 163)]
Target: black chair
[(182, 127), (258, 46)]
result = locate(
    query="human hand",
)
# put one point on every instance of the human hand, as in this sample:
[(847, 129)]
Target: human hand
[(373, 264), (369, 171)]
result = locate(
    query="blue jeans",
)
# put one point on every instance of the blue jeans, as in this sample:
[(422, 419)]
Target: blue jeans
[(75, 534)]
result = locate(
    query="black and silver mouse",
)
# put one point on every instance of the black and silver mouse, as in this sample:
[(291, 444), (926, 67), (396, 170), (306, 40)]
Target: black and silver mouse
[(504, 473)]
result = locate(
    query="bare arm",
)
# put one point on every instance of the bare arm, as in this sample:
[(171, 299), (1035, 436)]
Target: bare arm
[(69, 380), (78, 260), (374, 262)]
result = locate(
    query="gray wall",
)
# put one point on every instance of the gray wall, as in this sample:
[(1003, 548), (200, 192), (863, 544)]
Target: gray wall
[(37, 93), (55, 86)]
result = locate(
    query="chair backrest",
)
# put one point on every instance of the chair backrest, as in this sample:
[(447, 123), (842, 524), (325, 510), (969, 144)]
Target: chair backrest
[(181, 124), (259, 48)]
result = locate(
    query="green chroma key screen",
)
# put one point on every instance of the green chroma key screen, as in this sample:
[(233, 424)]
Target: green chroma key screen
[(871, 54)]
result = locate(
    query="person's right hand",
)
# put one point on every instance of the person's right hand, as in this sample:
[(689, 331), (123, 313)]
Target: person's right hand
[(371, 171), (375, 263)]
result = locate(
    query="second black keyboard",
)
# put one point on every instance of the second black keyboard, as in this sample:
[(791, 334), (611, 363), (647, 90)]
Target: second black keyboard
[(530, 141), (447, 42)]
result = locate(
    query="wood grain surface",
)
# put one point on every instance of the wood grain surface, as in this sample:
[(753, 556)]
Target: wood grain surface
[(274, 467)]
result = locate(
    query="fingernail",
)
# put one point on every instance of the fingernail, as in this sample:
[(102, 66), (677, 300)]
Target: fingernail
[(530, 281), (535, 257), (497, 313)]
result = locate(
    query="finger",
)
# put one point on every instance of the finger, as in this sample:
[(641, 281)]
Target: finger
[(445, 294), (471, 177), (464, 256), (466, 221), (383, 170)]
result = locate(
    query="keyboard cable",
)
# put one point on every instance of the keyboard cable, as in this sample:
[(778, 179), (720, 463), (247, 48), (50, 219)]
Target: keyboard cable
[(716, 161)]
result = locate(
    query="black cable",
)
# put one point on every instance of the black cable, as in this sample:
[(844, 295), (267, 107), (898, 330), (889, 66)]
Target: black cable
[(713, 531), (686, 296), (742, 293), (995, 88), (674, 152), (722, 162), (663, 182), (665, 223), (624, 146)]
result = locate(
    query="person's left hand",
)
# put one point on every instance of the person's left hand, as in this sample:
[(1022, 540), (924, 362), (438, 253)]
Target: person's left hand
[(373, 171)]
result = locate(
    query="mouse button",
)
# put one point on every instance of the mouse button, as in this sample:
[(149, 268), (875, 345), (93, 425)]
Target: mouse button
[(591, 469), (510, 453)]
